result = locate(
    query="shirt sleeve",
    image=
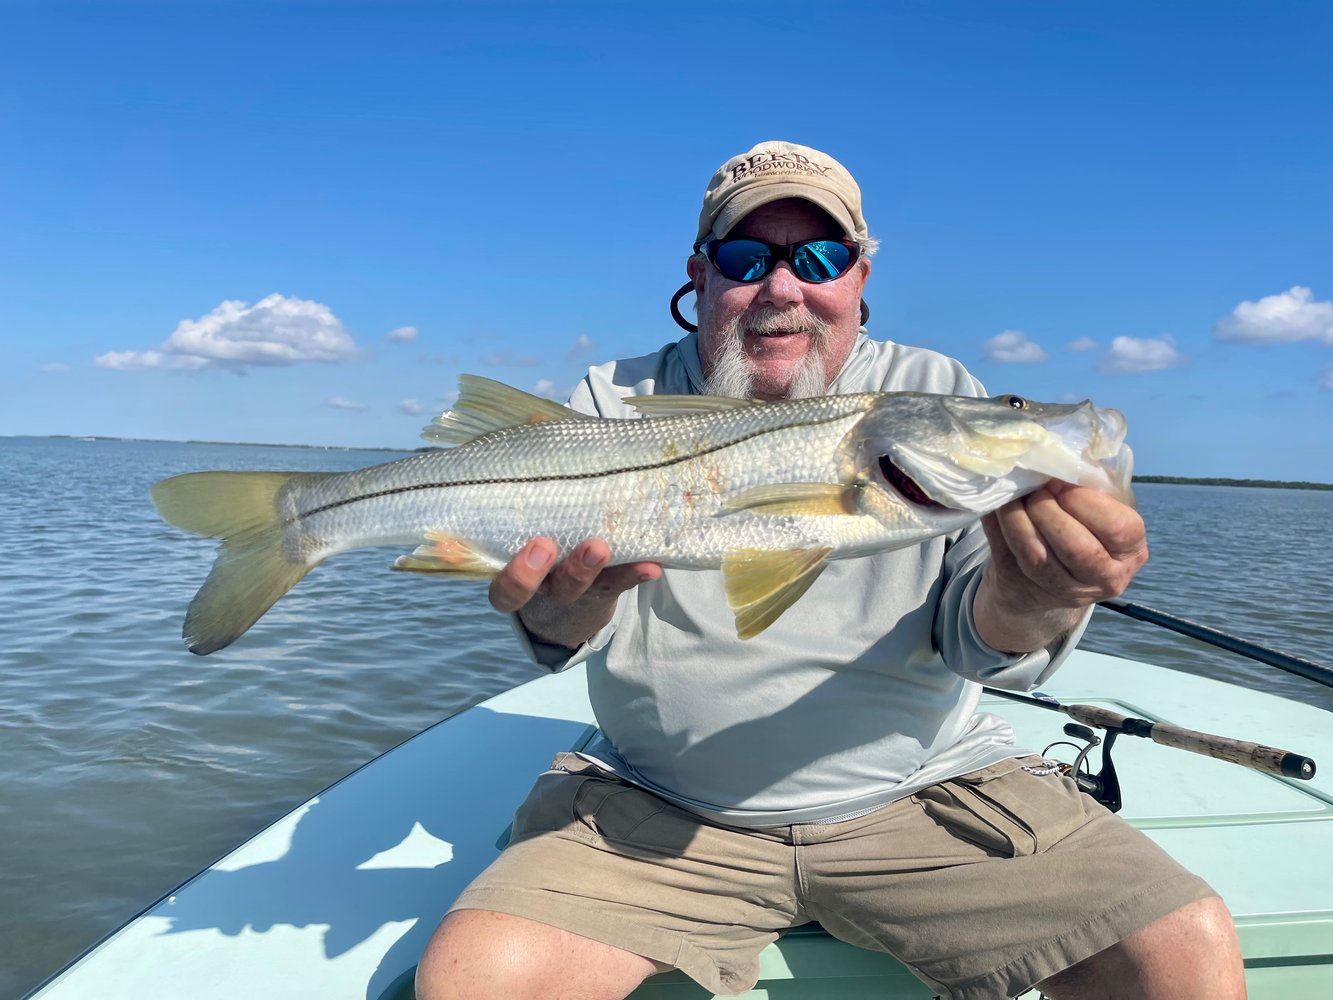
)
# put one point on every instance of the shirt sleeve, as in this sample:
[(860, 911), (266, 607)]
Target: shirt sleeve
[(961, 646)]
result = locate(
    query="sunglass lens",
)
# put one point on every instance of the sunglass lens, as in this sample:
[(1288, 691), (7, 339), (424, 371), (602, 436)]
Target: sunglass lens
[(742, 260), (821, 260)]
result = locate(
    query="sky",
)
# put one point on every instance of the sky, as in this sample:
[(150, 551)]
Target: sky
[(298, 223)]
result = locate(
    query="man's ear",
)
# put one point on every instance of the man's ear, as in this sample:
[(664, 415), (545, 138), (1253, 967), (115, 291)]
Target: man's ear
[(865, 272), (697, 268)]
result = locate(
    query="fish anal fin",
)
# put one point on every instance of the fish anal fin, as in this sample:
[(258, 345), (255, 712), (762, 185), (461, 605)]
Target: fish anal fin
[(485, 406), (667, 405), (446, 554), (761, 584), (799, 499)]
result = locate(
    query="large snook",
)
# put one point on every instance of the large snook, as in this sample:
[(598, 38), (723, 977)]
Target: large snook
[(769, 492)]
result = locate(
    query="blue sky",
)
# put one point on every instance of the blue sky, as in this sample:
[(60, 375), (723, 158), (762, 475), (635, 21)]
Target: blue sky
[(298, 223)]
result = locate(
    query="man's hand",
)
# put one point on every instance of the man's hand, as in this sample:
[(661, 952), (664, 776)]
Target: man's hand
[(1054, 553), (569, 601)]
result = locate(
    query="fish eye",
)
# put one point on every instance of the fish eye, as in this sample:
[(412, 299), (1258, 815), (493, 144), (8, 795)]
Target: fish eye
[(1016, 402)]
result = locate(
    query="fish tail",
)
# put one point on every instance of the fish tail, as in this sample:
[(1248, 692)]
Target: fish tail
[(252, 569)]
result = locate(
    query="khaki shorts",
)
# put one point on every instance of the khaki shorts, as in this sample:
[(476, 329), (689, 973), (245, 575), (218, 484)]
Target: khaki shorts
[(983, 886)]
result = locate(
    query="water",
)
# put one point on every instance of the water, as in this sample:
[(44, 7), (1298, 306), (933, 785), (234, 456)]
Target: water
[(129, 764)]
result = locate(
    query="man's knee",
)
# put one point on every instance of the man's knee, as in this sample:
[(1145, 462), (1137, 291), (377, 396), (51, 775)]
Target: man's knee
[(483, 955), (1190, 952)]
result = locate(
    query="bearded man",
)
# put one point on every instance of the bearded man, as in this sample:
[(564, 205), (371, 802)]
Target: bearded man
[(833, 768)]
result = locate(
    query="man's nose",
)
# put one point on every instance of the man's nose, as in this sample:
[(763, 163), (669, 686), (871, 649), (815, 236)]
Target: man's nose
[(780, 286)]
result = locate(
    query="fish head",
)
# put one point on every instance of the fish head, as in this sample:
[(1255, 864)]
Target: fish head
[(976, 454)]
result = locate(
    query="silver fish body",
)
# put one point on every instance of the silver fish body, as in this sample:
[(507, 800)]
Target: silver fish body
[(769, 492)]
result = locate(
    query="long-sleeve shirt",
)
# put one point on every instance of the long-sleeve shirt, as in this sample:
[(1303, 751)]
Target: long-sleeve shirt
[(863, 692)]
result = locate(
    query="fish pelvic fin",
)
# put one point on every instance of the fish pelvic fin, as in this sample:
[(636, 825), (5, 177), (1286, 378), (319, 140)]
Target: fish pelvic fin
[(252, 569), (761, 585), (485, 406), (797, 499), (448, 555)]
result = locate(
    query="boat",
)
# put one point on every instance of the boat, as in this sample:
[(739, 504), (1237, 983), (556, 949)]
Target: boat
[(336, 900)]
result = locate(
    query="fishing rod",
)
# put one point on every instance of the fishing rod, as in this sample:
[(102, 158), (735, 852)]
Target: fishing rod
[(1308, 669), (1105, 787)]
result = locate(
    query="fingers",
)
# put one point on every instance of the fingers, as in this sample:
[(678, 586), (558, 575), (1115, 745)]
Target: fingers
[(522, 576), (1076, 545), (580, 574)]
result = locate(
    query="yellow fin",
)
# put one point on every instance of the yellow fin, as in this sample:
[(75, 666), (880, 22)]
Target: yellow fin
[(798, 499), (252, 569), (485, 405), (761, 584), (674, 406), (447, 554)]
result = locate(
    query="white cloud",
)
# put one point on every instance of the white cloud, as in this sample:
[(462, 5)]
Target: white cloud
[(1013, 347), (342, 403), (403, 335), (581, 347), (546, 388), (1292, 315), (1134, 355), (411, 407), (54, 368), (274, 331), (1082, 345)]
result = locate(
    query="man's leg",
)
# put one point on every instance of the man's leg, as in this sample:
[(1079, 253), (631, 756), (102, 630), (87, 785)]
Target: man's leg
[(481, 955), (1192, 952)]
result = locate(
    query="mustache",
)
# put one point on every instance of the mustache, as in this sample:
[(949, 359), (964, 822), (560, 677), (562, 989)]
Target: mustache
[(768, 320)]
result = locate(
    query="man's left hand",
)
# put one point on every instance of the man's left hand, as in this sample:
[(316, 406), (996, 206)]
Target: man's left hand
[(1053, 553)]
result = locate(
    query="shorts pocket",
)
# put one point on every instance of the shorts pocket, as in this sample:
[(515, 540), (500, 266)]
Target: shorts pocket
[(1007, 809), (550, 804)]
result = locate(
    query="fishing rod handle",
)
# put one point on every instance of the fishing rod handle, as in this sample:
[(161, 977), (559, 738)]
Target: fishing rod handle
[(1270, 760)]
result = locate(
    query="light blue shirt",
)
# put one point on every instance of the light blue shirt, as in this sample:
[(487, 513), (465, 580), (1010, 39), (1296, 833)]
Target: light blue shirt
[(863, 692)]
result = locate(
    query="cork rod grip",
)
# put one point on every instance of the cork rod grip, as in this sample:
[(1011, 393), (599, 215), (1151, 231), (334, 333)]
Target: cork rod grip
[(1253, 755)]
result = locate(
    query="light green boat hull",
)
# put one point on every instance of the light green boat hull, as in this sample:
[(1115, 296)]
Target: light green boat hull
[(336, 900)]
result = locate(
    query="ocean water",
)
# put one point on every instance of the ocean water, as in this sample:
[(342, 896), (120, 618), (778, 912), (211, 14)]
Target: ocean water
[(129, 764)]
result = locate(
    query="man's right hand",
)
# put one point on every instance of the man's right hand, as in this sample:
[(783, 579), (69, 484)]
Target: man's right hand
[(570, 601)]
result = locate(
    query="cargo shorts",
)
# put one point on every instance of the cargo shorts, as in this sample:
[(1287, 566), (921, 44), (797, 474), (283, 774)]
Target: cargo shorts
[(982, 886)]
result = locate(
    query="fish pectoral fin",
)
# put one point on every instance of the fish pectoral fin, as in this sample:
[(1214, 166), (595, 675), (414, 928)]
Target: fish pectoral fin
[(667, 405), (485, 405), (799, 499), (762, 584), (446, 554)]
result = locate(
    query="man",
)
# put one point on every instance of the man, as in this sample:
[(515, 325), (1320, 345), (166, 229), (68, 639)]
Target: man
[(834, 767)]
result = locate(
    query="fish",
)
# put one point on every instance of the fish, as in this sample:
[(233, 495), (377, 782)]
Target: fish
[(768, 492)]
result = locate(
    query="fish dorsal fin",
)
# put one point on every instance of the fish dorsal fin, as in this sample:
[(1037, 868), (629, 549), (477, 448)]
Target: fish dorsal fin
[(761, 584), (675, 406), (485, 405), (796, 499)]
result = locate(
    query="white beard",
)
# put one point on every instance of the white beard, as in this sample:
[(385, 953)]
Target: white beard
[(733, 373)]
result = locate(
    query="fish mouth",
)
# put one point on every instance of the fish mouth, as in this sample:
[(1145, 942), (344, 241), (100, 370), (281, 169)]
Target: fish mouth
[(906, 486)]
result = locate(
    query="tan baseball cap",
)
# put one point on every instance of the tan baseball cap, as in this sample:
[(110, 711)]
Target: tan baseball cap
[(774, 170)]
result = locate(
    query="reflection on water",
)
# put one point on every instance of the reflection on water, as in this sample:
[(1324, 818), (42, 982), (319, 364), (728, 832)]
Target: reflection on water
[(130, 764)]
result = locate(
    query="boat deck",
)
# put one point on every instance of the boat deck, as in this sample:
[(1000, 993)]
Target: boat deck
[(336, 900)]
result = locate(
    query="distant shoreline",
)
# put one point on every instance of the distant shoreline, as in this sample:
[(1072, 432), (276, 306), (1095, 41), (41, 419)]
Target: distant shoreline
[(1272, 484)]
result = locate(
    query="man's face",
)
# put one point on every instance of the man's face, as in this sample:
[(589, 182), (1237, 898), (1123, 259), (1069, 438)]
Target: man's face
[(778, 337)]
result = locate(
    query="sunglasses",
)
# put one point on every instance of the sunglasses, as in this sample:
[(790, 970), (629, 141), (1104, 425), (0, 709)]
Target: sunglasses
[(746, 259)]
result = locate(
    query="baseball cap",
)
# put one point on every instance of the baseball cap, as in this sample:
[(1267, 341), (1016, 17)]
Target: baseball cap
[(774, 170)]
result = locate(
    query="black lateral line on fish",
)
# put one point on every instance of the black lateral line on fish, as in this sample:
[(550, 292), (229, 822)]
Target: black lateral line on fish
[(566, 475)]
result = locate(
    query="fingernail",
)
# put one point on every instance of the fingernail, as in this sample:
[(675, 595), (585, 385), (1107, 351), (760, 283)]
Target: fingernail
[(539, 557), (591, 559)]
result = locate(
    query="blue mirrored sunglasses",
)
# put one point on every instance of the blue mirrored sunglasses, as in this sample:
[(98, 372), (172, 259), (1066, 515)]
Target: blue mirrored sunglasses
[(746, 259)]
